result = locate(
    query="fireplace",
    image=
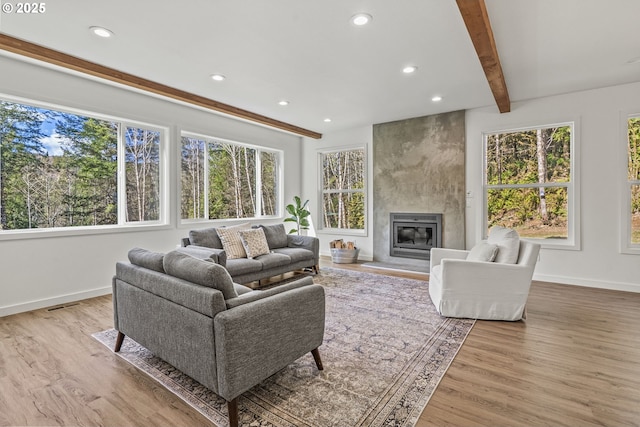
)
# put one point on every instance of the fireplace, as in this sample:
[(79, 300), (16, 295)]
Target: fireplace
[(412, 235)]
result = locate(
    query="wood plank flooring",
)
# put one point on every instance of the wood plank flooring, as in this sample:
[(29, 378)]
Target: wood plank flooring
[(574, 361)]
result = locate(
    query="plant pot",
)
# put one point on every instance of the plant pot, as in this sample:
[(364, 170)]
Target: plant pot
[(344, 256)]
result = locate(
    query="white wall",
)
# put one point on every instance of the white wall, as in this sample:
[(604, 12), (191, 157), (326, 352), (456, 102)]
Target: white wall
[(44, 271), (602, 147), (356, 137)]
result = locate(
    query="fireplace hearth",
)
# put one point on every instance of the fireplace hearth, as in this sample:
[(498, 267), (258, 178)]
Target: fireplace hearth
[(412, 235)]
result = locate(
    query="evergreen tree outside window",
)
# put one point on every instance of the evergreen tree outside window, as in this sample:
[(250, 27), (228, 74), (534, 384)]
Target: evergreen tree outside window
[(343, 189), (223, 179), (60, 170), (529, 183)]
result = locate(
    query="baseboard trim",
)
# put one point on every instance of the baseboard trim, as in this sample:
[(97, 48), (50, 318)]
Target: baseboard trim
[(589, 283), (48, 302)]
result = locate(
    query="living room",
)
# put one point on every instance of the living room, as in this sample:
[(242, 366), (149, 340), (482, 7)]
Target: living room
[(44, 268)]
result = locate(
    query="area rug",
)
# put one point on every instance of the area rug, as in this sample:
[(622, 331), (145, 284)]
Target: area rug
[(385, 350)]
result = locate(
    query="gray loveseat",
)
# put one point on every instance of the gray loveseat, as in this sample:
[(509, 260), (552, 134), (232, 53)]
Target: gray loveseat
[(287, 253), (188, 312)]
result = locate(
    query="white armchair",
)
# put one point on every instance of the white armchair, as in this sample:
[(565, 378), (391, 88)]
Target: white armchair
[(478, 289)]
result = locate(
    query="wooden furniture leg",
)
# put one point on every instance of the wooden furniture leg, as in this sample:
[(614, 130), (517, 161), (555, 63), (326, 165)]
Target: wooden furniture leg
[(119, 341), (316, 357), (316, 268), (232, 408)]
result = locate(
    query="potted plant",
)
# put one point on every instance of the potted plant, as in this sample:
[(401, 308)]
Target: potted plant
[(299, 214)]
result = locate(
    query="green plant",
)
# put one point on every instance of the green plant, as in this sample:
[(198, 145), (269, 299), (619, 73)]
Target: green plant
[(299, 214)]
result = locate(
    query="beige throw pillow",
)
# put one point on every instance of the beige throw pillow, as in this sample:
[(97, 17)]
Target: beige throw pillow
[(483, 251), (231, 242), (254, 242), (508, 242)]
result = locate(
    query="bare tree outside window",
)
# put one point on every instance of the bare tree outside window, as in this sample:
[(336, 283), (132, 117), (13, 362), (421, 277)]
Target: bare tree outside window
[(528, 175), (343, 189)]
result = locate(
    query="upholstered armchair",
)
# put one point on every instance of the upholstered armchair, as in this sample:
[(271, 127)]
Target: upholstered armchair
[(188, 312), (470, 284)]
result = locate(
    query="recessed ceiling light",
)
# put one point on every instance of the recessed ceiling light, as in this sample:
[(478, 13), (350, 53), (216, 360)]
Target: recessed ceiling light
[(436, 98), (327, 120), (283, 103), (101, 32), (409, 69), (361, 19), (218, 77)]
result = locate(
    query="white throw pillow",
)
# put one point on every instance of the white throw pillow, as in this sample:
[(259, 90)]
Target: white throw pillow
[(508, 242), (231, 242), (483, 251), (254, 242)]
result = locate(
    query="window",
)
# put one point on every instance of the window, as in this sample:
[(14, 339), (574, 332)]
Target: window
[(223, 179), (529, 183), (343, 189), (632, 191), (61, 169)]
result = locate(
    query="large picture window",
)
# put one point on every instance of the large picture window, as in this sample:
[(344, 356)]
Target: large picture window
[(529, 182), (343, 189), (223, 179), (632, 192), (61, 169)]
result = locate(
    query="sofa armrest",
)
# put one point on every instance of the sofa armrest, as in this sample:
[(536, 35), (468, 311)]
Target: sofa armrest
[(438, 254), (219, 256), (306, 242), (470, 277), (259, 294), (257, 339)]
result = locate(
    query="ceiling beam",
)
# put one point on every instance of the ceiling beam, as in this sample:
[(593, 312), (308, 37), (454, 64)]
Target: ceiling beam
[(41, 53), (474, 14)]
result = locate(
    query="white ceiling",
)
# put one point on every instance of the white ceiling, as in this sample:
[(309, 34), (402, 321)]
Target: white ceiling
[(308, 53)]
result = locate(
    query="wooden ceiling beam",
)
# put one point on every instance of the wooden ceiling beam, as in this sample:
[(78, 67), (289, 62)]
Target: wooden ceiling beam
[(474, 14), (41, 53)]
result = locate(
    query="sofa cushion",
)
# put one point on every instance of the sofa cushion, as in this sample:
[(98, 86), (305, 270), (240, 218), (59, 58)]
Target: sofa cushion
[(508, 242), (483, 251), (254, 242), (146, 259), (207, 238), (239, 266), (276, 235), (296, 254), (202, 272), (273, 260), (231, 241)]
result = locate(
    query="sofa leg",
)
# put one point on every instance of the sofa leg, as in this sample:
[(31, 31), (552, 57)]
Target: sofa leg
[(316, 357), (232, 408), (119, 341), (316, 268)]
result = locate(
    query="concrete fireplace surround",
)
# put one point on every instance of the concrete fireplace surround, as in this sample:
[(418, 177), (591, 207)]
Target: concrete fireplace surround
[(418, 166)]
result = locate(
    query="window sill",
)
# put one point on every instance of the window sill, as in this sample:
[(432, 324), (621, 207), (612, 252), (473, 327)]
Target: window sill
[(42, 233)]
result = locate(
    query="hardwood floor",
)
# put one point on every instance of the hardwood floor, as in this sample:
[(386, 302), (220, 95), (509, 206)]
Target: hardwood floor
[(574, 361)]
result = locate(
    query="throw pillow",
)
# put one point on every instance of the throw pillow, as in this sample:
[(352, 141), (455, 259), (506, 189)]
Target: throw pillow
[(206, 237), (146, 259), (483, 251), (231, 242), (254, 242), (202, 272), (508, 242), (276, 235)]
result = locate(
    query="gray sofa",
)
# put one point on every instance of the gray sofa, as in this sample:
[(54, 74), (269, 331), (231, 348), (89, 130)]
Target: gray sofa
[(188, 312), (287, 253)]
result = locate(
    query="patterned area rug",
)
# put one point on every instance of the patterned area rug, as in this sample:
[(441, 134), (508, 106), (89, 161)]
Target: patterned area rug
[(384, 353)]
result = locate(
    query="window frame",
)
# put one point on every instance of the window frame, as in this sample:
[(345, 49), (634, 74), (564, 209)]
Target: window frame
[(626, 246), (321, 192), (572, 242), (259, 149), (122, 225)]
